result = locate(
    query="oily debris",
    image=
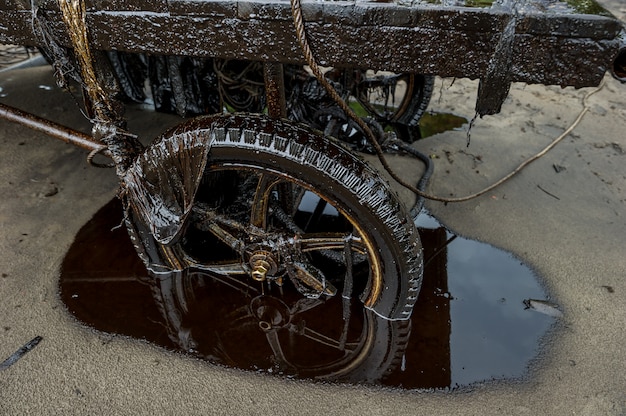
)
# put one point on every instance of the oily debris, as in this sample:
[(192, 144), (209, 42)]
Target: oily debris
[(20, 353), (543, 306)]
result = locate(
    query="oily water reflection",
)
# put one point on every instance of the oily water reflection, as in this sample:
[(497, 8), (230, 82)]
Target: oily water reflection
[(471, 322)]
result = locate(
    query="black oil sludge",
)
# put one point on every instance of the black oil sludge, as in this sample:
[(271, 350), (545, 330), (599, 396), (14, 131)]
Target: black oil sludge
[(470, 323)]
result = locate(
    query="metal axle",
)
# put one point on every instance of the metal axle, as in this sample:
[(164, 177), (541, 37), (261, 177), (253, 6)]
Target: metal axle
[(58, 131)]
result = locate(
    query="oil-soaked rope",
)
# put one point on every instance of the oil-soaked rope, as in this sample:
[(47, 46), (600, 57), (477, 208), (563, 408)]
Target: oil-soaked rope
[(63, 67), (102, 150), (73, 14), (109, 125), (296, 9)]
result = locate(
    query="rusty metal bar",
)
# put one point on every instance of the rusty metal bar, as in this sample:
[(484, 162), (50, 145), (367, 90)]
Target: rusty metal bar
[(58, 131)]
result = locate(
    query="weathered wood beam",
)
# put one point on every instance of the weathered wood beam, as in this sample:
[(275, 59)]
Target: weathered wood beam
[(554, 49)]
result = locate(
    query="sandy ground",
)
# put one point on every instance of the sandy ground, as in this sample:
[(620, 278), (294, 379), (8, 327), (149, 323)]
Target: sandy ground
[(568, 225)]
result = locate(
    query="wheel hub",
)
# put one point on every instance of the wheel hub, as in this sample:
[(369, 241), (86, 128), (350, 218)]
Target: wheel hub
[(263, 264)]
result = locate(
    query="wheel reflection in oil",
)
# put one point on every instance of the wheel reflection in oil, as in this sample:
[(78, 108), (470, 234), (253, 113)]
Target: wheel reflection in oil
[(469, 323)]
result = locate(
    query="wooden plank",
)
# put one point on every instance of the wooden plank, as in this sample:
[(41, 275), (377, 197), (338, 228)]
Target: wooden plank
[(14, 4), (560, 49), (158, 6)]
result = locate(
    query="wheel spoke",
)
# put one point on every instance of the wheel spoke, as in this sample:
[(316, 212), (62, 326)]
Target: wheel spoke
[(225, 237), (317, 214), (260, 204), (208, 219), (221, 269), (312, 278), (348, 279), (330, 241), (347, 293), (305, 304)]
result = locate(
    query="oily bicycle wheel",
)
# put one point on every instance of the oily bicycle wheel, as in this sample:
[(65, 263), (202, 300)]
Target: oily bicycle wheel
[(277, 202)]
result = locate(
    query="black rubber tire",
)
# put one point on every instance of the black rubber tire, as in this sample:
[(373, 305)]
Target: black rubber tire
[(420, 98)]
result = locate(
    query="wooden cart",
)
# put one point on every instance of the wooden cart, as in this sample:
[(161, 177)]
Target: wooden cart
[(265, 194)]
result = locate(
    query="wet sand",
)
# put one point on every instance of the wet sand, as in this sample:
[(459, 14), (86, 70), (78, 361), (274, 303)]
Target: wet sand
[(564, 215)]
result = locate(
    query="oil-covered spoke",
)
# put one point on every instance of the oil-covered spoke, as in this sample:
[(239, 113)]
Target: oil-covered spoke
[(208, 220), (229, 273), (226, 275), (346, 295), (305, 304), (217, 268), (261, 201), (317, 214), (225, 237), (330, 241), (289, 197), (312, 278), (348, 278)]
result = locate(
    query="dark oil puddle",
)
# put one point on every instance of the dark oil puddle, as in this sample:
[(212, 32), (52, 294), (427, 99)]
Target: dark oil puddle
[(470, 323)]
